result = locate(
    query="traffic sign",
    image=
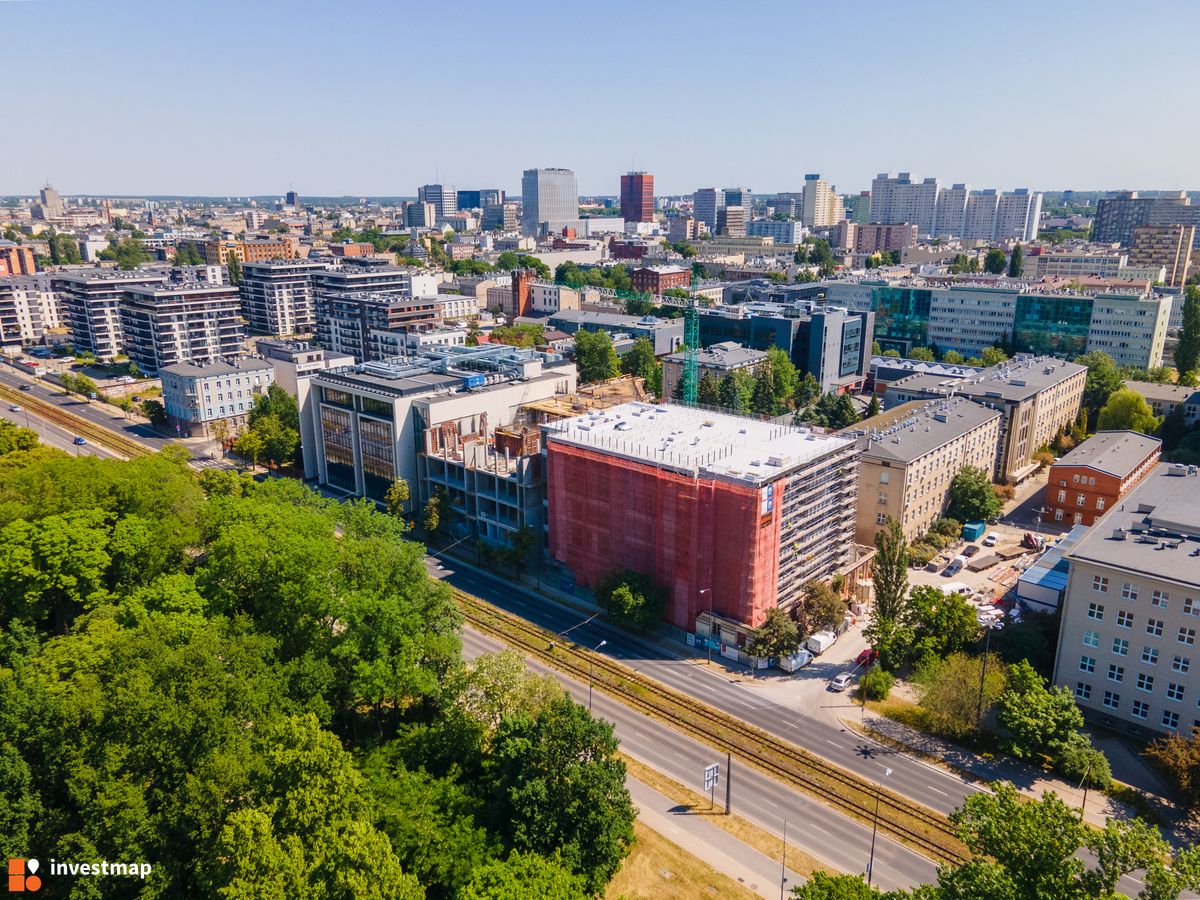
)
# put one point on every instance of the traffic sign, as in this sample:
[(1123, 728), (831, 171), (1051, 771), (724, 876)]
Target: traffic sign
[(712, 776)]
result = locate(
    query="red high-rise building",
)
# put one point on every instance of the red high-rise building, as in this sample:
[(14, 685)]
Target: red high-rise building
[(637, 197)]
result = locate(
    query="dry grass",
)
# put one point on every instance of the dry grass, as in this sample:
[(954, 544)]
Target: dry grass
[(657, 869), (746, 832)]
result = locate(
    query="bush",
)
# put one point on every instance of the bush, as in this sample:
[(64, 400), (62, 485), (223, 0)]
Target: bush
[(877, 684), (951, 528), (631, 598), (1080, 758), (920, 554), (938, 541)]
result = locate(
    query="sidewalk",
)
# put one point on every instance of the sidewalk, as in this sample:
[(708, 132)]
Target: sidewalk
[(715, 846)]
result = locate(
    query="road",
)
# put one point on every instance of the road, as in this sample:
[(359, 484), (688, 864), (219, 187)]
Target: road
[(54, 435), (825, 834)]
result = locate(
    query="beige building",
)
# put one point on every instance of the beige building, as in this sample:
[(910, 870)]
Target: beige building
[(910, 456), (716, 360), (1169, 246), (821, 205), (1131, 610)]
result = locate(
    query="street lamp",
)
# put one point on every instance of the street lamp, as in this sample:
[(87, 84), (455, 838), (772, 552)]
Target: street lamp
[(707, 639), (875, 825), (590, 666), (987, 642)]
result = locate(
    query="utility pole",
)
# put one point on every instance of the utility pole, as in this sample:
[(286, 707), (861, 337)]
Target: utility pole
[(728, 780), (875, 825), (783, 863), (987, 642)]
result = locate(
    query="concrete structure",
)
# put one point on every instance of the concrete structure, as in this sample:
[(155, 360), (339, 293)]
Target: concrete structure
[(857, 207), (17, 259), (28, 309), (1130, 328), (420, 214), (886, 369), (731, 221), (724, 512), (50, 205), (1131, 610), (684, 228), (874, 237), (896, 199), (1117, 217), (549, 199), (910, 455), (706, 202), (660, 279), (665, 334), (501, 216), (1042, 262), (1037, 395), (293, 360), (359, 297), (717, 360), (637, 197), (480, 199), (821, 206), (951, 211), (782, 232), (1164, 398), (216, 252), (277, 296), (1169, 246), (1094, 476), (979, 217), (91, 301), (1018, 214), (444, 198), (1041, 587), (196, 396), (164, 324)]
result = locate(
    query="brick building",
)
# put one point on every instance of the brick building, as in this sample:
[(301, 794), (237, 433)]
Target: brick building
[(16, 259), (659, 279), (1097, 474), (637, 197)]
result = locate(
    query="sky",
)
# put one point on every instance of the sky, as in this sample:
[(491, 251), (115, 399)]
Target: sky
[(373, 98)]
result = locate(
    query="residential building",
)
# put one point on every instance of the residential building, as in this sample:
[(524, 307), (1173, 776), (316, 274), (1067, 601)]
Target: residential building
[(787, 231), (896, 199), (857, 207), (1117, 217), (444, 198), (1169, 246), (821, 205), (874, 237), (367, 325), (1131, 610), (1094, 476), (717, 360), (1018, 214), (951, 211), (28, 309), (706, 202), (660, 279), (195, 396), (91, 306), (684, 228), (910, 455), (637, 197), (164, 324), (979, 217), (730, 514), (16, 259), (50, 205), (277, 296), (1164, 398), (665, 334), (549, 199), (1037, 395), (293, 360), (216, 252), (1131, 329)]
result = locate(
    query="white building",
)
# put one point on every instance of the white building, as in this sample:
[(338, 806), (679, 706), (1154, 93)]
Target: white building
[(1017, 215), (196, 396), (549, 198)]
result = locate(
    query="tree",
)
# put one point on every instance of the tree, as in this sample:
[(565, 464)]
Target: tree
[(948, 690), (1103, 379), (808, 390), (396, 498), (942, 623), (154, 411), (886, 629), (640, 361), (219, 429), (873, 408), (1179, 757), (1039, 721), (234, 267), (877, 683), (708, 390), (993, 356), (823, 607), (971, 496), (1016, 262), (823, 886), (952, 357), (994, 262), (1127, 410), (735, 391), (129, 253), (631, 598), (434, 506), (922, 353), (521, 335), (525, 875), (249, 446), (784, 377), (777, 636), (1187, 353), (473, 331), (595, 356)]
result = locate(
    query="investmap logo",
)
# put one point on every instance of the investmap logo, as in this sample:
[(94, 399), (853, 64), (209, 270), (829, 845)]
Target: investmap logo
[(22, 876)]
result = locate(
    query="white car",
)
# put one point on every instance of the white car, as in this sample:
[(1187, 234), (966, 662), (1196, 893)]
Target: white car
[(841, 681), (991, 540), (14, 408)]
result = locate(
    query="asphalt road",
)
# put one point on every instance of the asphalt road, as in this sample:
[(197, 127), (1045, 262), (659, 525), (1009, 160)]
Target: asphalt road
[(827, 835), (55, 435)]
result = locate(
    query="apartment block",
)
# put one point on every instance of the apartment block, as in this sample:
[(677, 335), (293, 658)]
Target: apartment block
[(1094, 476), (685, 228), (821, 206), (951, 211), (91, 306), (874, 237), (1131, 610), (166, 324), (1117, 217), (195, 396), (1169, 246), (277, 296), (717, 360), (1018, 214), (1131, 329), (727, 513), (902, 199), (16, 259), (910, 455), (782, 232), (216, 252), (28, 309)]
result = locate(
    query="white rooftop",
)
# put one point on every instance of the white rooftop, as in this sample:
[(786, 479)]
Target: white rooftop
[(697, 442)]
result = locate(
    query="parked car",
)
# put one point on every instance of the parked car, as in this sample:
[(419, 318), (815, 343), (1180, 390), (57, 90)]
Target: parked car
[(970, 550), (79, 442), (866, 657), (841, 681), (992, 539)]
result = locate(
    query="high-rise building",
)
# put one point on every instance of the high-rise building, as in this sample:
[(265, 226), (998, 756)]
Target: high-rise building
[(705, 204), (979, 217), (16, 259), (480, 199), (503, 216), (1116, 217), (549, 200), (291, 198), (175, 323), (896, 199), (419, 214), (51, 205), (443, 197), (731, 220), (950, 217), (277, 296), (857, 207), (740, 196), (822, 207), (1017, 215), (91, 305), (637, 197), (787, 231), (358, 299), (1169, 246)]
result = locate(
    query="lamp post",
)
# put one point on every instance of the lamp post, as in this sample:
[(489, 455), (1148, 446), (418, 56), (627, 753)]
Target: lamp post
[(594, 650), (987, 642), (875, 824), (1083, 784), (707, 643)]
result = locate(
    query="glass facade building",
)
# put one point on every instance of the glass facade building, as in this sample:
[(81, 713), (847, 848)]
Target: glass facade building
[(1052, 325), (901, 317)]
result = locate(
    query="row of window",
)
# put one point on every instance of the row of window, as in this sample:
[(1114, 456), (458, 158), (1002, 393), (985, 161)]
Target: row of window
[(1159, 598), (1145, 681), (1140, 709), (1080, 500)]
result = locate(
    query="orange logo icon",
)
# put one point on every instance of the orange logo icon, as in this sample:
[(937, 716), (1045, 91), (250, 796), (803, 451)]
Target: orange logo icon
[(22, 877)]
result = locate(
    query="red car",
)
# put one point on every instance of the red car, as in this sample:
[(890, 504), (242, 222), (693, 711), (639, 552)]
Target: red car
[(867, 657)]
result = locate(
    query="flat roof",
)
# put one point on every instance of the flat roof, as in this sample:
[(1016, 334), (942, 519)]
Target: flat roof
[(192, 370), (725, 355), (1018, 379), (697, 442), (1153, 531), (1164, 393), (1113, 452), (911, 430), (613, 320)]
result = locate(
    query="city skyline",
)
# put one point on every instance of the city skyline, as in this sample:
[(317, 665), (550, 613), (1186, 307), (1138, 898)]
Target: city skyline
[(974, 107)]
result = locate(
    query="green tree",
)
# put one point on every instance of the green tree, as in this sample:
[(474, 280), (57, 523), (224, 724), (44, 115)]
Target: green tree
[(708, 391), (640, 361), (994, 262), (595, 356), (1179, 756), (972, 497), (473, 331), (948, 690), (396, 498), (525, 875), (807, 390), (822, 607), (631, 598), (922, 353), (877, 683), (885, 628), (942, 623), (776, 636), (993, 356), (1016, 262), (234, 268), (873, 408), (1127, 410), (250, 446), (154, 411), (824, 886), (521, 335), (1103, 379), (952, 357), (735, 391), (1187, 353)]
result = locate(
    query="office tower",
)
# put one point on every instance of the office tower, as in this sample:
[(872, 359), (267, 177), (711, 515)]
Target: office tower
[(821, 207), (549, 200), (292, 199), (857, 207), (1169, 246), (501, 216), (419, 214), (950, 218), (740, 196), (731, 221), (1017, 215), (480, 199), (637, 197), (443, 197), (705, 204), (51, 202)]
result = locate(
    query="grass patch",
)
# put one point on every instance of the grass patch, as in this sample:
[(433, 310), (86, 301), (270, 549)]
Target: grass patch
[(657, 868), (747, 832), (905, 712)]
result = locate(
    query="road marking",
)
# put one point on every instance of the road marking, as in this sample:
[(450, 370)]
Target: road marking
[(839, 746), (936, 791)]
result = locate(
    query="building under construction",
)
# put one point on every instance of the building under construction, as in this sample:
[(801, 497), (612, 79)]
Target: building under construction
[(727, 513)]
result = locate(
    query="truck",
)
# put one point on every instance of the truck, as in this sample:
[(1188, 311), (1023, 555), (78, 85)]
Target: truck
[(795, 661), (820, 642)]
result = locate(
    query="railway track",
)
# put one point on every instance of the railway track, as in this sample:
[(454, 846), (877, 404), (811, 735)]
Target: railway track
[(912, 824), (76, 424)]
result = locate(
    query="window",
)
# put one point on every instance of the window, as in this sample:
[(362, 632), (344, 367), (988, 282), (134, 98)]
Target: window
[(1099, 503), (1117, 673), (1170, 719), (1174, 691), (1058, 514), (1145, 682), (1083, 691), (1112, 699), (1129, 591), (1120, 647), (884, 477), (1187, 635), (1075, 479), (1154, 627), (1091, 639), (1062, 496), (1124, 619), (1150, 655), (1081, 499), (1181, 664), (1161, 599), (881, 518), (1096, 611), (1191, 607), (1141, 709), (882, 499), (1100, 583), (1087, 664)]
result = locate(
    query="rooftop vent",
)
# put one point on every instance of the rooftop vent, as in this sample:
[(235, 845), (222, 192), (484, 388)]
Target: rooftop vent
[(1118, 534)]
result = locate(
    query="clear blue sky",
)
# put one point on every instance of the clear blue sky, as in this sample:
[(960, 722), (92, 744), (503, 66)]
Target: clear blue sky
[(375, 98)]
